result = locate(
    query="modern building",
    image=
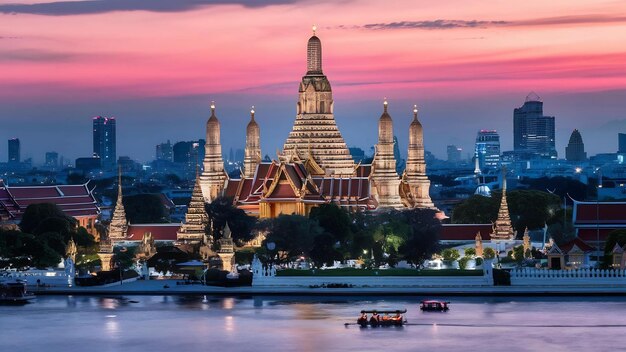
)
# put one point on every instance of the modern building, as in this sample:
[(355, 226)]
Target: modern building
[(52, 160), (190, 153), (454, 153), (621, 140), (88, 164), (315, 166), (533, 131), (164, 151), (487, 149), (14, 151), (575, 150), (104, 145)]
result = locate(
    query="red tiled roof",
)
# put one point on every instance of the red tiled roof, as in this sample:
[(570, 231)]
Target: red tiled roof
[(74, 200), (160, 232), (464, 232), (602, 213), (578, 243), (591, 234)]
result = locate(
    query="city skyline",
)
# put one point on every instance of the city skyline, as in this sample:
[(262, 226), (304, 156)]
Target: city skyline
[(468, 70)]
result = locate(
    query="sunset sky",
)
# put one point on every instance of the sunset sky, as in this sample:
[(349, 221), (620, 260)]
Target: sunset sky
[(156, 64)]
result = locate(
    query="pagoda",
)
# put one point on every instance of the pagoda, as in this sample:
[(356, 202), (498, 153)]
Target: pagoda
[(118, 227), (384, 175), (227, 250), (415, 173), (196, 219), (502, 229), (213, 179), (315, 128)]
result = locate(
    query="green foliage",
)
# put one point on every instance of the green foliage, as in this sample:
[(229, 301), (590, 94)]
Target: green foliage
[(45, 217), (124, 257), (561, 186), (528, 208), (293, 236), (334, 220), (615, 237), (450, 254), (489, 253), (463, 262), (145, 208), (479, 261), (423, 237), (220, 211), (470, 252)]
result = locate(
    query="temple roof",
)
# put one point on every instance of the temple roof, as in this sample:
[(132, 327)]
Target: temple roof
[(74, 200), (160, 232)]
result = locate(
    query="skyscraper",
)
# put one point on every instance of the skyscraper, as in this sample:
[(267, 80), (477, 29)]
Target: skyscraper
[(621, 139), (575, 150), (454, 154), (14, 150), (104, 141), (52, 160), (164, 151), (487, 149), (532, 131)]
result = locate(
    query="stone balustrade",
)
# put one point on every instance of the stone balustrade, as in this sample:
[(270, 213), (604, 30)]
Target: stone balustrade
[(532, 276)]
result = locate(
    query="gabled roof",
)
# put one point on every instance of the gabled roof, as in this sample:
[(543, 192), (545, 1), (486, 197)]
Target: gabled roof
[(576, 245), (464, 232), (592, 213), (74, 200), (160, 232)]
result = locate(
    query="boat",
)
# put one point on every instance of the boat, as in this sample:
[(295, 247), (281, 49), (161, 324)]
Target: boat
[(390, 318), (434, 306), (14, 292)]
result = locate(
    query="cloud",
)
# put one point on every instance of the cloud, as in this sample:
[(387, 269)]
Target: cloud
[(442, 24), (34, 55), (63, 8), (433, 24)]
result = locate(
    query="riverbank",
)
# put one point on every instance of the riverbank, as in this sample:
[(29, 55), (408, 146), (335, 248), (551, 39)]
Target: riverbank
[(170, 287)]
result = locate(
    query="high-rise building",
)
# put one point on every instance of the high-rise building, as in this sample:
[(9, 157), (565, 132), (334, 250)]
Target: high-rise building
[(454, 153), (621, 147), (14, 150), (575, 150), (190, 153), (487, 149), (104, 141), (532, 131), (52, 160), (164, 151)]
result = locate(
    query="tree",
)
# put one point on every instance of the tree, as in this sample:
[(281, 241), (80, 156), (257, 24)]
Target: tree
[(489, 253), (615, 237), (145, 208), (423, 237), (463, 262), (333, 220), (470, 252), (324, 250), (450, 254), (220, 211), (293, 235), (36, 214)]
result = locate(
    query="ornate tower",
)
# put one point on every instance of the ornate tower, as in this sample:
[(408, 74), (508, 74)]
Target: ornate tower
[(213, 179), (196, 219), (71, 250), (502, 229), (478, 245), (415, 172), (315, 122), (119, 225), (252, 156), (227, 250), (384, 175)]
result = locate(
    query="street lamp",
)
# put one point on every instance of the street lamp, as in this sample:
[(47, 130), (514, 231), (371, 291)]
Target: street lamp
[(598, 223)]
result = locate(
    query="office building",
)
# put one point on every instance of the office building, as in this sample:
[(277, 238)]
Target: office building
[(575, 150), (532, 131), (104, 141), (14, 150), (454, 154), (487, 149)]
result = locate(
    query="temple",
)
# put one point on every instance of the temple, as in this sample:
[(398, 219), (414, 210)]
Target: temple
[(502, 229), (196, 219), (315, 166), (119, 225)]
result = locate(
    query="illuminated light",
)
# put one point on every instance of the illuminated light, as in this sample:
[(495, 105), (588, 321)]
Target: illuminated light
[(252, 110), (415, 109), (212, 105), (578, 170), (314, 29), (385, 101)]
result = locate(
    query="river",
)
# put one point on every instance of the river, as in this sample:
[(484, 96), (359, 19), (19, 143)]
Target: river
[(199, 323)]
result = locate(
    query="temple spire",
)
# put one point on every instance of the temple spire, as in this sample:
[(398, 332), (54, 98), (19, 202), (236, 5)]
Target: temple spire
[(196, 219), (502, 229), (213, 179), (119, 224), (415, 172), (252, 152)]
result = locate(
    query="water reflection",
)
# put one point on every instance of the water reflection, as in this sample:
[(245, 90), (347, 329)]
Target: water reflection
[(172, 323)]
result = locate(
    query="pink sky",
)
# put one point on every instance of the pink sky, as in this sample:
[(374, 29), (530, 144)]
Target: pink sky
[(427, 52)]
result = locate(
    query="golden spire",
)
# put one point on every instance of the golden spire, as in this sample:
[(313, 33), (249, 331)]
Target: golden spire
[(415, 112), (314, 29), (385, 103), (212, 107), (252, 113)]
